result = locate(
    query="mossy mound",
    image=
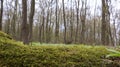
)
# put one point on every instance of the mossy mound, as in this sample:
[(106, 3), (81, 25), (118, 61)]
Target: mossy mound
[(16, 54), (4, 35)]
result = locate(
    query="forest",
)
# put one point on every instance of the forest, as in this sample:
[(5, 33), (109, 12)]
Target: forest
[(59, 33)]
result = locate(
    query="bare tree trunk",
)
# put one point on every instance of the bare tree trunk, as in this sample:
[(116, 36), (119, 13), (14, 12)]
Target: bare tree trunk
[(49, 28), (14, 20), (104, 33), (83, 19), (119, 38), (71, 23), (40, 33), (109, 27), (32, 10), (24, 29), (7, 25), (1, 14), (41, 28), (77, 9), (115, 36), (57, 24), (65, 33), (47, 31), (94, 34)]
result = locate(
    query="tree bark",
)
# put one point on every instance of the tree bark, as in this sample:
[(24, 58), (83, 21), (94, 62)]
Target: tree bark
[(1, 15), (24, 29), (65, 30), (47, 31), (71, 23), (83, 19), (14, 20), (77, 16), (32, 10), (104, 33), (57, 24)]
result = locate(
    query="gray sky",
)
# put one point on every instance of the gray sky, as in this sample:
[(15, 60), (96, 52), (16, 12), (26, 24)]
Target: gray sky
[(92, 3)]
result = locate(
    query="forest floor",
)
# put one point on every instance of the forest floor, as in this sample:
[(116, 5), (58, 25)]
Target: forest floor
[(16, 54)]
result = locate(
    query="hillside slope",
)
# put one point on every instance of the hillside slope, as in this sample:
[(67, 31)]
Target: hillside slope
[(16, 54)]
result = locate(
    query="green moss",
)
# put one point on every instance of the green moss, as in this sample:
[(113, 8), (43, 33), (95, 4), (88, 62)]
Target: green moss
[(16, 54), (2, 34)]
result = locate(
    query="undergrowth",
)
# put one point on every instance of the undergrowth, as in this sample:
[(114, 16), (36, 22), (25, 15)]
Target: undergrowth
[(16, 54)]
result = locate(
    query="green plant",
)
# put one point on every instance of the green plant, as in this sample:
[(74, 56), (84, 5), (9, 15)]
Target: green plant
[(16, 54), (114, 53)]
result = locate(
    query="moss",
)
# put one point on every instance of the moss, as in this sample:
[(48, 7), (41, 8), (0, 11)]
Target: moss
[(2, 34), (16, 54)]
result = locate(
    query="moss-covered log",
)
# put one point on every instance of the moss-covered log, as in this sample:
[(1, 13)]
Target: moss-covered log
[(16, 54)]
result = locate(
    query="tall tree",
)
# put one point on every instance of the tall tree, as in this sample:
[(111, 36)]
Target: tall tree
[(94, 24), (65, 31), (14, 20), (42, 27), (104, 33), (77, 16), (57, 24), (1, 14), (71, 22), (83, 20), (24, 29), (32, 11)]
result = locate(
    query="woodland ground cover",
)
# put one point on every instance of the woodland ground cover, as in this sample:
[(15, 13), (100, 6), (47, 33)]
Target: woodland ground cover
[(16, 54)]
